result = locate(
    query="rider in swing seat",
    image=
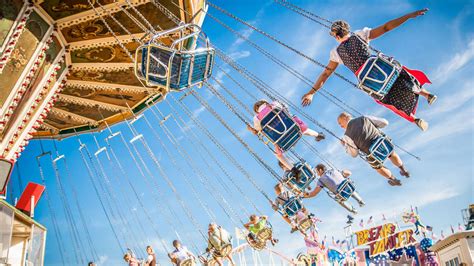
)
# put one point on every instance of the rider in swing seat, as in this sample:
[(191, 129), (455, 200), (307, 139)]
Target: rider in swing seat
[(360, 134), (257, 224), (331, 179), (218, 238), (180, 253), (259, 108), (353, 51), (284, 197), (291, 172)]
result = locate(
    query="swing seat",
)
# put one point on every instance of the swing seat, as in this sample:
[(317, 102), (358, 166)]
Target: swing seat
[(292, 206), (345, 190), (306, 177), (304, 259), (377, 75), (305, 224), (279, 127), (259, 240), (225, 250), (187, 262), (175, 67), (380, 150)]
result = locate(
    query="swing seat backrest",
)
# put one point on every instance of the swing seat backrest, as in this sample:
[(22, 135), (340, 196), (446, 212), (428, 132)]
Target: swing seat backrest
[(305, 224), (173, 66), (280, 128), (307, 176), (380, 150), (292, 206), (345, 190), (377, 75)]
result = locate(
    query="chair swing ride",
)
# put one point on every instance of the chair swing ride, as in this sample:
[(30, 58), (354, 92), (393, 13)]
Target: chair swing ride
[(179, 59)]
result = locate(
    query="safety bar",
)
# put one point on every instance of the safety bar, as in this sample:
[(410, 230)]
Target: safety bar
[(137, 137), (58, 158)]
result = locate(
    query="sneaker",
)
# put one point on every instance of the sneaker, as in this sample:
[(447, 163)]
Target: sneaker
[(422, 124), (294, 229), (361, 204), (394, 182), (431, 99), (320, 136), (353, 210), (274, 242), (404, 173)]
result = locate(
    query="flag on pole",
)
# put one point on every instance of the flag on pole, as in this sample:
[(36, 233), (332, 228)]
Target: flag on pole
[(239, 233), (452, 229), (460, 228), (442, 234), (383, 217), (361, 224), (433, 236), (370, 220)]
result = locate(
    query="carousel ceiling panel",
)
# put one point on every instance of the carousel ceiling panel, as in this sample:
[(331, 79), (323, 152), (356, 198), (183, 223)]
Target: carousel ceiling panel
[(58, 9), (8, 13), (124, 77), (28, 41), (87, 110), (109, 96), (95, 28), (104, 54), (60, 122), (100, 73)]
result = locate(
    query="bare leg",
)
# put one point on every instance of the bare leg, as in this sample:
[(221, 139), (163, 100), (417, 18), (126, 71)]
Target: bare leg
[(397, 161), (424, 93), (310, 132), (230, 259), (219, 261), (288, 220), (383, 171), (358, 198), (282, 158)]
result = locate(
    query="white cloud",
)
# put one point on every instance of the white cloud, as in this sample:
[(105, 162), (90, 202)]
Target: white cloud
[(455, 123), (459, 60), (239, 55)]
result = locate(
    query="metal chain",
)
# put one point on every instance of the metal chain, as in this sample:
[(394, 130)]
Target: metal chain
[(76, 241), (201, 176), (57, 232), (224, 123), (281, 43), (90, 174), (221, 147), (181, 122), (315, 18), (327, 95)]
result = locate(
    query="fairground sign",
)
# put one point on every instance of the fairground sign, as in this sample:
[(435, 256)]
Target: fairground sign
[(383, 238)]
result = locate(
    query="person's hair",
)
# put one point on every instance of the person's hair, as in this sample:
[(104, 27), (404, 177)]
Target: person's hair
[(253, 217), (278, 187), (258, 104), (149, 247), (340, 28), (321, 167), (176, 242), (282, 166), (91, 263), (126, 256), (344, 115)]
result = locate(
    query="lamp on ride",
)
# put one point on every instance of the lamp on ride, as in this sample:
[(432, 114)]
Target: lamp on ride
[(6, 167)]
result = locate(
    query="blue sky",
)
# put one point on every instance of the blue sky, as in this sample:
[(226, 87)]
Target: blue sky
[(441, 43)]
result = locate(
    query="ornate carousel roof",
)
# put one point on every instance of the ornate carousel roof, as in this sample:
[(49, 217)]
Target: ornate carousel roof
[(63, 49)]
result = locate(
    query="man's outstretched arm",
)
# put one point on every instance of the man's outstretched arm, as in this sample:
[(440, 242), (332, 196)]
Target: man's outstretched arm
[(392, 24)]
